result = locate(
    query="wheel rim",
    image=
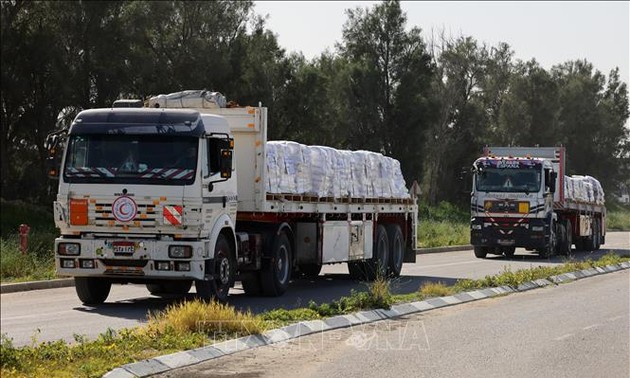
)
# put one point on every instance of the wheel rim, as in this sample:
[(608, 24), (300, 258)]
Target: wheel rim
[(224, 271), (282, 267)]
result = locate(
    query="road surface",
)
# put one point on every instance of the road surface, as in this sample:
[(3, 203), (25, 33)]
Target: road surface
[(580, 329), (53, 314)]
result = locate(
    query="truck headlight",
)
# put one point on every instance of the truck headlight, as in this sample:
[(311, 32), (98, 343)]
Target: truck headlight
[(69, 249), (476, 227), (537, 228), (179, 251)]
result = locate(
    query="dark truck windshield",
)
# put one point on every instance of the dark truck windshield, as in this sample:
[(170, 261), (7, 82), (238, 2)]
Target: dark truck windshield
[(131, 159), (508, 180)]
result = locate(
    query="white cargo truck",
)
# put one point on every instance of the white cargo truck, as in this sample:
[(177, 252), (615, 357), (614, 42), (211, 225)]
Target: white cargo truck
[(521, 197), (169, 197)]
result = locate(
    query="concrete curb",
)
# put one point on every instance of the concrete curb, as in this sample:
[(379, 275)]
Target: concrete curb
[(36, 285), (453, 248), (177, 360)]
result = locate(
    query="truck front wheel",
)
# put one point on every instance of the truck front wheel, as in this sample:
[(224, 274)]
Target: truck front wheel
[(276, 271), (219, 285), (481, 252), (92, 291)]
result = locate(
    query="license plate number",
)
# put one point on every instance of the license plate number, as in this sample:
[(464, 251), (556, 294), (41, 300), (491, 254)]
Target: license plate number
[(124, 247)]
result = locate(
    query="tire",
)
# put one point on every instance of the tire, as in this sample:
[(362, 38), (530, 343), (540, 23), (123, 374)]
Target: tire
[(276, 271), (508, 251), (310, 270), (92, 291), (218, 287), (598, 235), (377, 265), (566, 239), (481, 252), (169, 288), (369, 270), (550, 249), (251, 284), (396, 250)]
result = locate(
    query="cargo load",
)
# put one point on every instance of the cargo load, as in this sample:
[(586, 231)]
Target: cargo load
[(584, 189), (294, 168)]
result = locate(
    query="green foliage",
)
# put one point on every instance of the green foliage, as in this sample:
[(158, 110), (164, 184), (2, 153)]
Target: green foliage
[(32, 266), (432, 289), (441, 234), (617, 216), (431, 102), (377, 296), (38, 262)]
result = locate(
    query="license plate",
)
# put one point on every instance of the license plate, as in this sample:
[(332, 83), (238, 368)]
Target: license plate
[(506, 242), (124, 247)]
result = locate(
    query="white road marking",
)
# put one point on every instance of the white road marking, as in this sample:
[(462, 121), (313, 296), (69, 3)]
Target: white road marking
[(563, 337), (591, 326), (615, 318)]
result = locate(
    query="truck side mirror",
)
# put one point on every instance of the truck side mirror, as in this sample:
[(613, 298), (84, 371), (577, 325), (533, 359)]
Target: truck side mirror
[(552, 182)]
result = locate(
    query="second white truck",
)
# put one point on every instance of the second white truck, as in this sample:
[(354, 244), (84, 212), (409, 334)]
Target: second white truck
[(170, 197), (522, 197)]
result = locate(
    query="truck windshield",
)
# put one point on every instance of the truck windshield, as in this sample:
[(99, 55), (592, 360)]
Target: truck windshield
[(508, 180), (131, 159)]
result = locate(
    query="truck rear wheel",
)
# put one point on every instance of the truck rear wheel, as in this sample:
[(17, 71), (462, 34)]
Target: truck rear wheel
[(377, 266), (92, 291), (276, 271), (371, 269), (565, 238), (169, 288), (480, 252), (223, 273), (396, 250), (597, 235)]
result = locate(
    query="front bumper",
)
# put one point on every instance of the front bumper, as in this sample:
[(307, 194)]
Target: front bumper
[(509, 232), (149, 259)]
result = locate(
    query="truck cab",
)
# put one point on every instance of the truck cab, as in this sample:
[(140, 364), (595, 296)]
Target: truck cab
[(511, 204), (144, 196)]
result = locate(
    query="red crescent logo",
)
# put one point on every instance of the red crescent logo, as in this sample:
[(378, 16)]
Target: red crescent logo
[(124, 209)]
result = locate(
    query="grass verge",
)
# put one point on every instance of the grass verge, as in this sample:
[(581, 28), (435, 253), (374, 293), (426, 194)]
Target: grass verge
[(193, 324)]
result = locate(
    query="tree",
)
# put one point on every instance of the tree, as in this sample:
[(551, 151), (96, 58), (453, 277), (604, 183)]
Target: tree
[(384, 95)]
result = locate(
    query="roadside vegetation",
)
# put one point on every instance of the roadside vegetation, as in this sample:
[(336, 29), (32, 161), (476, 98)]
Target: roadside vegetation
[(618, 216), (193, 324), (443, 225), (38, 262)]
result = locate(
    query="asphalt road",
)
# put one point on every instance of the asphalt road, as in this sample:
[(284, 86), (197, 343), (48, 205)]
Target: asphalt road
[(52, 314), (579, 329)]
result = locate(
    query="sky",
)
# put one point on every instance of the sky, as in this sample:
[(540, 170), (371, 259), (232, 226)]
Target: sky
[(550, 32)]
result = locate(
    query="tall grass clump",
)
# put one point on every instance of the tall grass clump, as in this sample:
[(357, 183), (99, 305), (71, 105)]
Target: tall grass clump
[(435, 289), (211, 318)]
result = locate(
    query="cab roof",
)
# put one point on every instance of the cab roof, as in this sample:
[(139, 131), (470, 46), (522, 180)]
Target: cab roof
[(138, 121)]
